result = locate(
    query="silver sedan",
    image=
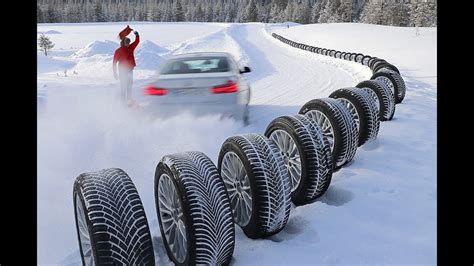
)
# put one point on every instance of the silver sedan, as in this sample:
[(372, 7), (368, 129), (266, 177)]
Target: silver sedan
[(201, 82)]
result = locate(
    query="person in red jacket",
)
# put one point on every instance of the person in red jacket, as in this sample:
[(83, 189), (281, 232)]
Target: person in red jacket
[(126, 63)]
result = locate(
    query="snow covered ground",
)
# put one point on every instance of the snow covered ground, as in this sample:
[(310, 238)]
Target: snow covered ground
[(381, 209)]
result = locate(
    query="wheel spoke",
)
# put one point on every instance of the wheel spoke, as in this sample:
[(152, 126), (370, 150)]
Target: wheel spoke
[(167, 220), (294, 150), (227, 177), (296, 169), (247, 200), (87, 252)]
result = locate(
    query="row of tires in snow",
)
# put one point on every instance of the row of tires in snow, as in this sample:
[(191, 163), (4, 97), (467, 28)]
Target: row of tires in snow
[(382, 70), (257, 180)]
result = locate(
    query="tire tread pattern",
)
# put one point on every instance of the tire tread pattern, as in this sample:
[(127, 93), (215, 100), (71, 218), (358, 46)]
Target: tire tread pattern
[(119, 226)]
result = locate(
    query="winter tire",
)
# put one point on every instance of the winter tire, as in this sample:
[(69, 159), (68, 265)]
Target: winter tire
[(352, 56), (394, 81), (257, 181), (372, 61), (338, 126), (382, 96), (306, 153), (385, 65), (364, 110), (359, 57), (110, 220), (365, 60), (378, 62), (193, 210)]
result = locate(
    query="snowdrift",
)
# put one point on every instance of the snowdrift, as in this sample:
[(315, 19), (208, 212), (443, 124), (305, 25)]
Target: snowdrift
[(49, 32), (147, 55), (105, 47)]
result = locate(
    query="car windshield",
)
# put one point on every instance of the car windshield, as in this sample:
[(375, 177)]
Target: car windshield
[(197, 65)]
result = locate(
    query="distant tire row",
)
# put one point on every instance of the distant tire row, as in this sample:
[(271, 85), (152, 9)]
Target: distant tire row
[(381, 69), (257, 179)]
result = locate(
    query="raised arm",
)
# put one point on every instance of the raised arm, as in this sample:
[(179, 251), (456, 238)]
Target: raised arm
[(137, 40)]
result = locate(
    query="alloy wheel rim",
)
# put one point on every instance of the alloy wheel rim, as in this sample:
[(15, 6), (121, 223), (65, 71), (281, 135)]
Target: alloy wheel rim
[(172, 218), (238, 187), (291, 155), (84, 235), (323, 121)]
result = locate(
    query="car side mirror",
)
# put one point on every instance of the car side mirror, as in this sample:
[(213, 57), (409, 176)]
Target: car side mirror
[(245, 70)]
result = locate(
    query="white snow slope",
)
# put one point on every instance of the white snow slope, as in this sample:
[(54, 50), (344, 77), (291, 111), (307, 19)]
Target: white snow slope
[(381, 209)]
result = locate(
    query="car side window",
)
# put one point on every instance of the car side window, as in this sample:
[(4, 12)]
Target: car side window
[(223, 65)]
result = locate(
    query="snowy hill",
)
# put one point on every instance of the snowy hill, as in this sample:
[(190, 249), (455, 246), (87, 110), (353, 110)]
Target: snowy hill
[(97, 47)]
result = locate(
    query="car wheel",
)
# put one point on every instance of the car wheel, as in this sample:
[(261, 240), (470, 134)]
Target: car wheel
[(384, 65), (359, 57), (365, 60), (193, 210), (110, 220), (364, 110), (306, 153), (338, 126), (255, 176), (383, 97), (392, 80)]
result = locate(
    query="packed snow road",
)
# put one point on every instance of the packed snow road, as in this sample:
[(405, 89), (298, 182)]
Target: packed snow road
[(381, 209)]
